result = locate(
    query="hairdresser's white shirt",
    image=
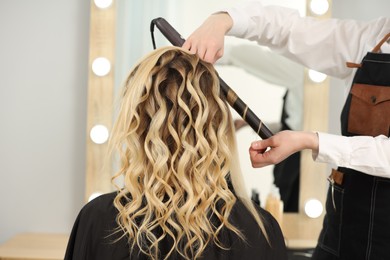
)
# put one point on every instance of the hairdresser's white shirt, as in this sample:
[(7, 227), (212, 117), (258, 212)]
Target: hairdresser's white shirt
[(325, 46)]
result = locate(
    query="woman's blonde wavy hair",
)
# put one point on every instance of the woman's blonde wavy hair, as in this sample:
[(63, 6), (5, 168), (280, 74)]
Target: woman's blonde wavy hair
[(175, 141)]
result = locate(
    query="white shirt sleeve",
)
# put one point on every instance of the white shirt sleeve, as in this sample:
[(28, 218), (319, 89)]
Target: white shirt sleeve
[(362, 153), (324, 45)]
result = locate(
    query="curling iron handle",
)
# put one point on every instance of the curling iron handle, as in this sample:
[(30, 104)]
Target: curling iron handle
[(169, 32)]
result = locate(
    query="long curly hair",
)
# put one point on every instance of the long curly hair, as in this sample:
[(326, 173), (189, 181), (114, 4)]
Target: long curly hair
[(175, 141)]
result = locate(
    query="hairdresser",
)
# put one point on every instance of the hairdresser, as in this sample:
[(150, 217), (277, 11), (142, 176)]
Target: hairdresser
[(356, 224)]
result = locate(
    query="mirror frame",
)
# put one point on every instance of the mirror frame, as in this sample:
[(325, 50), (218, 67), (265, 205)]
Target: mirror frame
[(100, 98), (299, 230)]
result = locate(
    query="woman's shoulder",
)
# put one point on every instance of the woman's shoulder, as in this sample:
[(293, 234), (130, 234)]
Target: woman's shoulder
[(99, 209), (253, 244), (100, 202), (275, 247), (95, 232), (242, 210)]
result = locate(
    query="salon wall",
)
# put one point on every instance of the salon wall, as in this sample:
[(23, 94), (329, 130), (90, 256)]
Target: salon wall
[(43, 88)]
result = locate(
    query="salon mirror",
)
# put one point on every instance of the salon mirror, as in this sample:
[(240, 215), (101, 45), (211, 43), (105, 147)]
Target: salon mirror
[(259, 82)]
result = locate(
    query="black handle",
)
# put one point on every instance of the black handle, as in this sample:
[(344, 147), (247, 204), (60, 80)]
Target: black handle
[(232, 98)]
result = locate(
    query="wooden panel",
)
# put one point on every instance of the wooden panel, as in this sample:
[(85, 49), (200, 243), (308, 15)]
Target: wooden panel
[(31, 246), (300, 230), (313, 175), (100, 98)]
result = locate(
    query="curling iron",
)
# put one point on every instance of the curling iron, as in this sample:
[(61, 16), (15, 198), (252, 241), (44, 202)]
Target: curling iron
[(231, 97)]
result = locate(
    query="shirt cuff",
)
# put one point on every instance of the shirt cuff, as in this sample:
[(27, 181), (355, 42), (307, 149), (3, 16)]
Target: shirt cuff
[(333, 149)]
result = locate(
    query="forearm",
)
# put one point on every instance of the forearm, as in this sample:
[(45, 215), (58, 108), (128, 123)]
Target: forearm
[(222, 20)]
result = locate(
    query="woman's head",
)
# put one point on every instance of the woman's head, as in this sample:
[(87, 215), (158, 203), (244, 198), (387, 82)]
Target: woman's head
[(173, 110), (175, 139)]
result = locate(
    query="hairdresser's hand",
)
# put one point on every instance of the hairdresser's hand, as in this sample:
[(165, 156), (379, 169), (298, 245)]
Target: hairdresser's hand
[(208, 40), (281, 145)]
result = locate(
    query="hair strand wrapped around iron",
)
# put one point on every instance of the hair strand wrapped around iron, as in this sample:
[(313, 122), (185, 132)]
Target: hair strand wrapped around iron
[(232, 98)]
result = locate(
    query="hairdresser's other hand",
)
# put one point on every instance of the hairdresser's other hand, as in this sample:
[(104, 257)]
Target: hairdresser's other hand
[(208, 40), (281, 145)]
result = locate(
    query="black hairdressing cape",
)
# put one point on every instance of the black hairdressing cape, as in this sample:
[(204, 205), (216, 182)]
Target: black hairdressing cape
[(92, 236)]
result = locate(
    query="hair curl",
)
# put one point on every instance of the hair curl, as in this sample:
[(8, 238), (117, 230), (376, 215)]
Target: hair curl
[(175, 139)]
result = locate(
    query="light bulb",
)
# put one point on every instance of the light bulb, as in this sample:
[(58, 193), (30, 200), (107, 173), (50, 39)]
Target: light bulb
[(94, 196), (102, 4), (99, 134), (313, 208), (319, 7), (101, 66), (316, 76)]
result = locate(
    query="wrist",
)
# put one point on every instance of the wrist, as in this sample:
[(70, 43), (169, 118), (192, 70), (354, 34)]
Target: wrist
[(308, 140), (313, 142), (224, 20)]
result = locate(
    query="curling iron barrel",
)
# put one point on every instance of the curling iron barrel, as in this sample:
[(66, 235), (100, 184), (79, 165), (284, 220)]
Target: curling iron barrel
[(232, 98)]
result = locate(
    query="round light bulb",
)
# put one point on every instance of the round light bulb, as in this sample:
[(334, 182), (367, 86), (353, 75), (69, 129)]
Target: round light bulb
[(99, 134), (313, 208), (94, 196), (101, 66), (102, 4), (316, 76), (319, 7)]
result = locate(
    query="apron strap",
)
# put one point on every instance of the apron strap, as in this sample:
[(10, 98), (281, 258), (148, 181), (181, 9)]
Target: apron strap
[(376, 49), (379, 45)]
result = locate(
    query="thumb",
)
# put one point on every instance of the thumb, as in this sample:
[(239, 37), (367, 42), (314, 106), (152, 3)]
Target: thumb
[(261, 144)]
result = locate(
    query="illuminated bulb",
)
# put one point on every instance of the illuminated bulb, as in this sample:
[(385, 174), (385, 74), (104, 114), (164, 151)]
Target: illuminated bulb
[(94, 195), (99, 134), (103, 3), (101, 66), (313, 208), (319, 7), (316, 76)]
